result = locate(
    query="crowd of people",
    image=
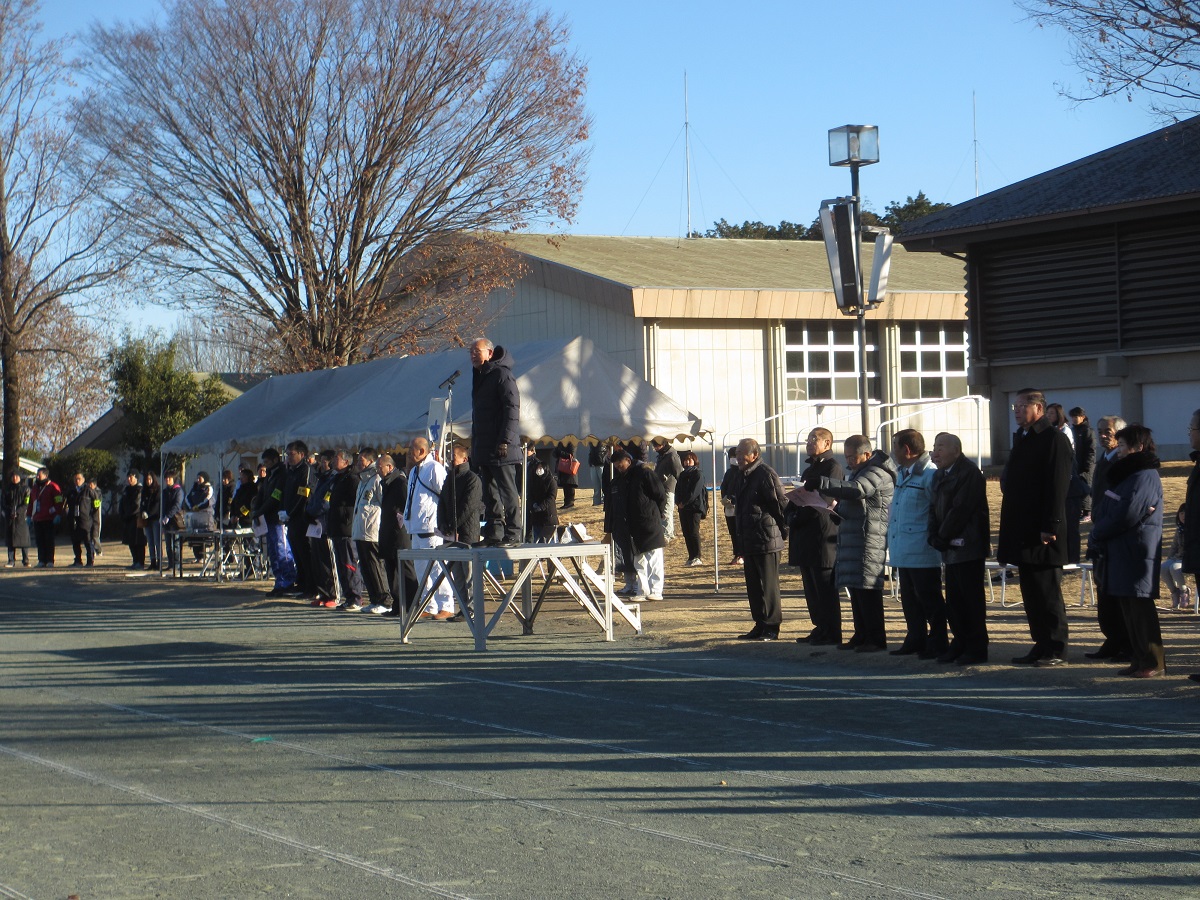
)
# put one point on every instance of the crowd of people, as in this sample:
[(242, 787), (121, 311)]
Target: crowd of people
[(330, 523), (924, 513)]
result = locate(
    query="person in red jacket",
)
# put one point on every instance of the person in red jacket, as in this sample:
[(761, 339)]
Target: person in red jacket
[(45, 510)]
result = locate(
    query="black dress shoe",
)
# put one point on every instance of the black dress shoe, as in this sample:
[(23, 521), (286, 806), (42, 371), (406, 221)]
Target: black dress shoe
[(904, 650), (972, 659), (1029, 659), (827, 642), (1102, 653), (768, 636), (813, 635), (1195, 676), (869, 648), (951, 655), (752, 635)]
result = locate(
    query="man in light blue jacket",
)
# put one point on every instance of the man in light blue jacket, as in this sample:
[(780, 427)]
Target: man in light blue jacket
[(919, 565)]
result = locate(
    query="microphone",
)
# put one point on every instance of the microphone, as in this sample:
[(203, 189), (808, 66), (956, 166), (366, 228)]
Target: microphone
[(449, 381)]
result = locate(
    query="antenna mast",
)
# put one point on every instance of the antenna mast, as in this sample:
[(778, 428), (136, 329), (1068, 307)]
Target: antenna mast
[(975, 141), (687, 157)]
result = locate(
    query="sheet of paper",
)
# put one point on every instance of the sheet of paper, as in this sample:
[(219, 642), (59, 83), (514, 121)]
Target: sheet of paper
[(314, 530), (260, 526)]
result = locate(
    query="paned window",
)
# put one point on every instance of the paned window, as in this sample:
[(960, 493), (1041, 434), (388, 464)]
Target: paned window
[(822, 361), (933, 360)]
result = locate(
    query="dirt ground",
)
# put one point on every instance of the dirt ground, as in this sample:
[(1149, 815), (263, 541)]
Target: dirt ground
[(694, 614)]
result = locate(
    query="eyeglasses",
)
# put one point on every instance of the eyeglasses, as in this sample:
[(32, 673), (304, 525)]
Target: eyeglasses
[(1018, 406)]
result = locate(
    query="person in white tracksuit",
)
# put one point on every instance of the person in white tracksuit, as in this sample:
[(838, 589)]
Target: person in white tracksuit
[(426, 476)]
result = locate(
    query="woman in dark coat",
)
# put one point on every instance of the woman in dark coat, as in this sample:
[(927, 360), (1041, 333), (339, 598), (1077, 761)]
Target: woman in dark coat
[(151, 507), (541, 508), (1126, 544), (130, 511), (691, 496), (564, 458), (15, 504)]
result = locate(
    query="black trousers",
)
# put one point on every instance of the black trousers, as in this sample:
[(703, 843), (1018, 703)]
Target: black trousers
[(373, 573), (824, 604), (501, 505), (324, 567), (391, 565), (966, 606), (43, 533), (762, 588), (689, 524), (1110, 615), (345, 555), (1145, 635), (731, 524), (867, 606), (1041, 592), (298, 540), (924, 609), (81, 539)]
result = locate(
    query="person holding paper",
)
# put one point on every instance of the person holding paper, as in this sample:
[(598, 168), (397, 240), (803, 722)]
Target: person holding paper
[(267, 512), (813, 543)]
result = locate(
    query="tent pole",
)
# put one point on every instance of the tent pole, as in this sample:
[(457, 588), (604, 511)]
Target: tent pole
[(716, 530)]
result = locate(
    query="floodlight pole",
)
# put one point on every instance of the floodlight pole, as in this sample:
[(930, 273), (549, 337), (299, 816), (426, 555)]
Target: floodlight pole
[(864, 405)]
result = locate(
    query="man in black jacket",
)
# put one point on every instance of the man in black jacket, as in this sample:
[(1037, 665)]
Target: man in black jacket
[(813, 543), (83, 508), (321, 551), (339, 520), (496, 440), (298, 487), (1033, 525), (642, 497), (762, 533), (268, 505), (959, 529)]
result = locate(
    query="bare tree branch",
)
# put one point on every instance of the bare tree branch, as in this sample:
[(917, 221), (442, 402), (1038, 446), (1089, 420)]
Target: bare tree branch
[(1125, 47), (328, 169)]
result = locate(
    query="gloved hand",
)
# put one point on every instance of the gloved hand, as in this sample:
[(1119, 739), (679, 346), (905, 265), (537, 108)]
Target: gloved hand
[(58, 520), (502, 449), (939, 543)]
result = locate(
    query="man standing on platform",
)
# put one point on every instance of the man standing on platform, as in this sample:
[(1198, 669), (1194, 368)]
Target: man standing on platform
[(1033, 521), (496, 441)]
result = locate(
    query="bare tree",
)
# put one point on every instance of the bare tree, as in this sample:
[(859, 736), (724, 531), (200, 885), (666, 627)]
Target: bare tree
[(64, 378), (209, 343), (1127, 46), (55, 245), (327, 169)]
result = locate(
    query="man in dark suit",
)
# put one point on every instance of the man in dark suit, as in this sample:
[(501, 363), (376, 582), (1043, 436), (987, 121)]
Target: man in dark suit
[(1116, 645), (1033, 525), (813, 543)]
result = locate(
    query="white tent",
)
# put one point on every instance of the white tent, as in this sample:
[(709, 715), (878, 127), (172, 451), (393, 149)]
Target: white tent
[(570, 390)]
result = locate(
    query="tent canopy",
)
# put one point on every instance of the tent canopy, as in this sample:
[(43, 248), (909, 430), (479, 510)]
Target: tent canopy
[(570, 391)]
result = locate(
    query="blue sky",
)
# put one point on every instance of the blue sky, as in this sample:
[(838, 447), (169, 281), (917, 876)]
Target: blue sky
[(767, 79)]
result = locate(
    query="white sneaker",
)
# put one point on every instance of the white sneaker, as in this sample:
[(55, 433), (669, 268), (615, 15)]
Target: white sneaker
[(694, 561), (377, 608), (654, 597), (639, 598)]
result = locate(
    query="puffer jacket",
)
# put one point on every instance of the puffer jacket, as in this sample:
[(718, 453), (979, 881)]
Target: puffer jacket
[(1126, 537), (959, 520), (864, 499), (368, 500), (761, 527), (495, 412), (668, 466), (908, 522)]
